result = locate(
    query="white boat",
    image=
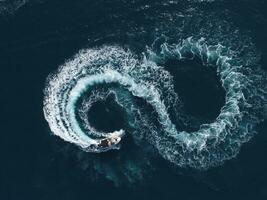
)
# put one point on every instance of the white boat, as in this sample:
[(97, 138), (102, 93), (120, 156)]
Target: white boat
[(108, 143)]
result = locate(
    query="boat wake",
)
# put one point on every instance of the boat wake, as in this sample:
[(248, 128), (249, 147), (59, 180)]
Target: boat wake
[(96, 74)]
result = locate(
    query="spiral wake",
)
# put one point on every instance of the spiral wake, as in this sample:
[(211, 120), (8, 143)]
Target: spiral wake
[(94, 74)]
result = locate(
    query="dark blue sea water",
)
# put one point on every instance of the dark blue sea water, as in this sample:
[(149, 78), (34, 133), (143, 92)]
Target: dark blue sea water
[(39, 36)]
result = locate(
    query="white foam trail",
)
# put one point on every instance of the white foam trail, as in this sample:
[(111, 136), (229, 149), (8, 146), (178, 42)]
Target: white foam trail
[(210, 145)]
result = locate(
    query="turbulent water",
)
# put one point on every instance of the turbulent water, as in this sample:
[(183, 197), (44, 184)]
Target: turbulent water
[(93, 74), (133, 99), (130, 71)]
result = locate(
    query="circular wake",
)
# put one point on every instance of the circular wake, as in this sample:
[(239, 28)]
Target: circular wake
[(144, 90)]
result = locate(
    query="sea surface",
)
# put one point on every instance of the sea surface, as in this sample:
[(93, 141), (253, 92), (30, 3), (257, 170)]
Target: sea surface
[(142, 41)]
